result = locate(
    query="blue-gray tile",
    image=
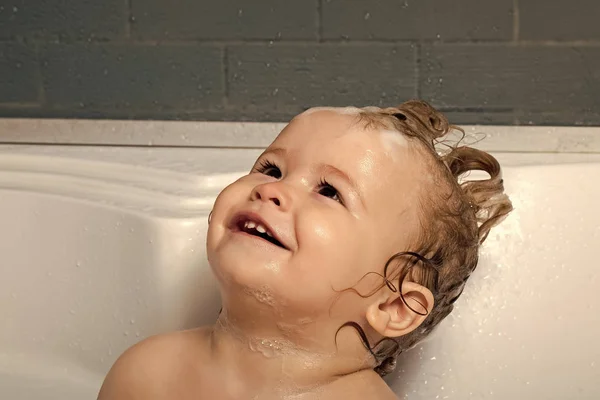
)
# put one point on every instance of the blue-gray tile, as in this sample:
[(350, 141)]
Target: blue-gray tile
[(557, 20), (133, 76), (66, 18), (507, 76), (225, 19), (19, 77), (303, 76), (418, 19)]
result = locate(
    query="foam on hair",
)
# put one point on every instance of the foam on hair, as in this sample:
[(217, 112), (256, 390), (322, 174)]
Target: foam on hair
[(339, 110), (456, 216)]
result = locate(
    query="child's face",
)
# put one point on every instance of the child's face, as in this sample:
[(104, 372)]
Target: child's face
[(334, 233)]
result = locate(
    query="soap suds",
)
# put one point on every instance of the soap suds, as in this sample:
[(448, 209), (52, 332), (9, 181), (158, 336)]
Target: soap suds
[(339, 110)]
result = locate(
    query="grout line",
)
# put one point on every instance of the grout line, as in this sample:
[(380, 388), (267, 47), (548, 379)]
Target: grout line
[(418, 55), (129, 18), (163, 146), (297, 42), (224, 147), (516, 21), (28, 105), (320, 21), (225, 70)]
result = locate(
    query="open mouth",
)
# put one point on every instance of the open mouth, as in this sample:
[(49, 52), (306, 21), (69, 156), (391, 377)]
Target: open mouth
[(256, 228)]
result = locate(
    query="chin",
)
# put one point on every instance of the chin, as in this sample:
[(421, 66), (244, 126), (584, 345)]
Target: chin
[(241, 267)]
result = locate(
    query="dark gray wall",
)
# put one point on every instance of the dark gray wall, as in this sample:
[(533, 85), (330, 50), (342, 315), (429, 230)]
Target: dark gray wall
[(481, 61)]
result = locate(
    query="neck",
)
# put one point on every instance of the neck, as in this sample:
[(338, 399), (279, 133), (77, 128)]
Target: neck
[(282, 362)]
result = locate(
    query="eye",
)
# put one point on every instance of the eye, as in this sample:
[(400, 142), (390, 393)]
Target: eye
[(268, 168), (327, 190)]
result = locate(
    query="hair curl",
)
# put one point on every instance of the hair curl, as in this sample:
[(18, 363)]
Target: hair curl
[(456, 218)]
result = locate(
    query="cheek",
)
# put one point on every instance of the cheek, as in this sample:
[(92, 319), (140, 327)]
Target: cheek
[(229, 197), (332, 251)]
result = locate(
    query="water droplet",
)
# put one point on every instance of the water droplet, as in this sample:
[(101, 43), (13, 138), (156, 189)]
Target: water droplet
[(132, 321), (367, 16), (126, 333), (78, 264), (137, 334), (15, 9), (72, 312), (240, 12)]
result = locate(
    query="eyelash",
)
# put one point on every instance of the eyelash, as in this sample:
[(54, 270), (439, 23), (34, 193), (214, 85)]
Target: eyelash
[(265, 165)]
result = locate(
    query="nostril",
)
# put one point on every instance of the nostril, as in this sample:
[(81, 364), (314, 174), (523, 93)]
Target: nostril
[(276, 201)]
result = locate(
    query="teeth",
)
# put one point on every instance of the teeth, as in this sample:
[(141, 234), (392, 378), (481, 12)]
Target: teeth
[(260, 228)]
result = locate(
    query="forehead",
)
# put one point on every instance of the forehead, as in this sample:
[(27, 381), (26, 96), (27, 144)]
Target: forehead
[(378, 160), (329, 130)]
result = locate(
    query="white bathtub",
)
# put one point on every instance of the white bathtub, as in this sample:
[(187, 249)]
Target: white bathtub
[(103, 246)]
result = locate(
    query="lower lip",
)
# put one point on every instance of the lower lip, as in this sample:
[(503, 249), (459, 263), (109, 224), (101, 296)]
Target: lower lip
[(257, 238)]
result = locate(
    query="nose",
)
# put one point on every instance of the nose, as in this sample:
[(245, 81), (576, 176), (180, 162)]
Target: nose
[(273, 192)]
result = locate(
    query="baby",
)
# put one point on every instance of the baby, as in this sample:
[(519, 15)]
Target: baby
[(346, 244)]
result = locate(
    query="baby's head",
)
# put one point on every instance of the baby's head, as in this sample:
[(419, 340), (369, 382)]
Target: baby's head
[(351, 228)]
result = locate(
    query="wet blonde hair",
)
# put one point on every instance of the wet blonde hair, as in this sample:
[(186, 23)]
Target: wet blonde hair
[(456, 216)]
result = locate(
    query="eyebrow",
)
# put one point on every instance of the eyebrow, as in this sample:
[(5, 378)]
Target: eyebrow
[(280, 151), (328, 169)]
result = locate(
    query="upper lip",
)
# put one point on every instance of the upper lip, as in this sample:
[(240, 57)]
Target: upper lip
[(252, 216)]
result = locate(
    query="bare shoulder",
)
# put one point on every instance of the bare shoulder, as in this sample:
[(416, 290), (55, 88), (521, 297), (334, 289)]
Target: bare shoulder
[(155, 367), (362, 385)]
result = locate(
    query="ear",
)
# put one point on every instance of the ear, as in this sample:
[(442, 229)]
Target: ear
[(391, 316)]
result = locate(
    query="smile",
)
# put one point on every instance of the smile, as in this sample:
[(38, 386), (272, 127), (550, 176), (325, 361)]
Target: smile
[(255, 226)]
